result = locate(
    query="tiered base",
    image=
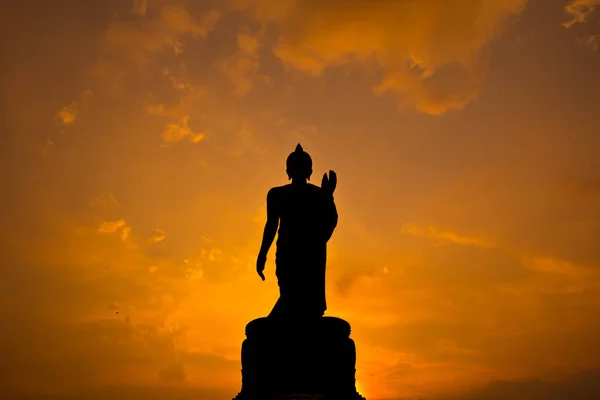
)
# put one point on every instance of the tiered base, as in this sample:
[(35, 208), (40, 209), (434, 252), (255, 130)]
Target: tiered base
[(310, 360)]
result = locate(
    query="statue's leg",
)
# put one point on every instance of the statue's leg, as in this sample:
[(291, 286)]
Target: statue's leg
[(277, 310), (301, 287), (281, 307)]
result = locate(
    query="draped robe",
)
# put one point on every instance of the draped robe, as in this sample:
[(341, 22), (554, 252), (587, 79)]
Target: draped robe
[(307, 218)]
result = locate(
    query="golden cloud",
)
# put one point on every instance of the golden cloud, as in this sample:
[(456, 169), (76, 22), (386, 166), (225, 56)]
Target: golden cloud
[(175, 132), (105, 200), (553, 266), (193, 271), (159, 236), (432, 52), (139, 7), (242, 67), (245, 139), (137, 43), (67, 114), (177, 83), (125, 232), (433, 233), (592, 42), (111, 226), (184, 107), (579, 11)]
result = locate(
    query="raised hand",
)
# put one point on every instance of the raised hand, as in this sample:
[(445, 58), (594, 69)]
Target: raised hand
[(325, 182), (329, 183), (332, 180)]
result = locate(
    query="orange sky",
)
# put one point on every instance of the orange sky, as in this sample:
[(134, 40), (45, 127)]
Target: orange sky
[(140, 138)]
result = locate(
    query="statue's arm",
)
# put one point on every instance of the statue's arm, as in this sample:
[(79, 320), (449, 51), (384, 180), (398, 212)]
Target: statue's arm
[(272, 223)]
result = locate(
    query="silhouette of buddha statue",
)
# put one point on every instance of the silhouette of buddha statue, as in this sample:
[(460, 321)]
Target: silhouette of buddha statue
[(296, 352), (304, 216)]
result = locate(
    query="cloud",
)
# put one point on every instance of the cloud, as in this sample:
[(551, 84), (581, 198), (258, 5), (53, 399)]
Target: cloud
[(193, 271), (440, 314), (364, 278), (177, 84), (550, 265), (579, 11), (111, 226), (62, 335), (433, 54), (173, 374), (591, 42), (129, 46), (552, 276), (433, 233), (175, 132), (105, 200), (241, 68), (158, 237), (67, 114), (213, 255), (186, 104), (178, 115), (583, 385), (48, 143), (139, 7), (244, 139), (138, 392), (158, 109), (163, 32), (125, 233)]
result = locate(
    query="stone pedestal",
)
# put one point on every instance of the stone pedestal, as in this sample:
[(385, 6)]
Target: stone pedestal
[(311, 359)]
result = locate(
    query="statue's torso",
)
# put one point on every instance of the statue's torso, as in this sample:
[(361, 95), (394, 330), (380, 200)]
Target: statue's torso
[(306, 213), (301, 210)]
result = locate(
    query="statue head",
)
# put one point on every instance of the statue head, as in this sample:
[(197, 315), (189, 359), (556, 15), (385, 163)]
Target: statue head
[(299, 164)]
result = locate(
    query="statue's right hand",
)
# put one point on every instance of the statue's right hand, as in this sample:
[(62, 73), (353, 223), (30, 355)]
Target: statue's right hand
[(332, 180), (325, 182), (260, 265), (329, 182)]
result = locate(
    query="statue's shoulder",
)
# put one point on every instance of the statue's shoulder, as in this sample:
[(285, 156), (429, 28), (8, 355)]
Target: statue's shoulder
[(315, 188), (276, 191), (318, 191)]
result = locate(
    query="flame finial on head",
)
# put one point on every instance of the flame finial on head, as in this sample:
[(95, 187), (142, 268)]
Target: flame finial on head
[(299, 149)]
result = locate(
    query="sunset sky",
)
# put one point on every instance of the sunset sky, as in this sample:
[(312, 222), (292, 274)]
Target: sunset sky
[(139, 139)]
